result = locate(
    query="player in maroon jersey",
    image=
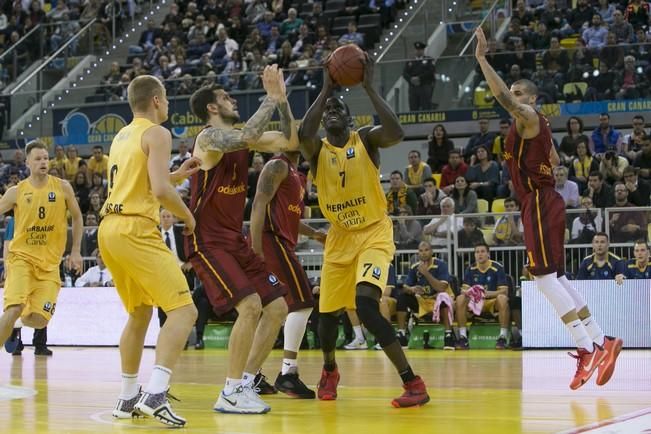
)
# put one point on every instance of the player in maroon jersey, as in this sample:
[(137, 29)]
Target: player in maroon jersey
[(530, 156), (275, 225), (233, 276)]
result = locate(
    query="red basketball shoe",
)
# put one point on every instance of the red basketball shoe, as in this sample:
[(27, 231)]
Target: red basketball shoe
[(586, 363), (327, 388), (415, 394), (614, 346)]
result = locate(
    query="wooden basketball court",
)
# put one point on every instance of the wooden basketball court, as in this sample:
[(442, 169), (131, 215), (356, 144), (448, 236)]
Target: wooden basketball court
[(481, 391)]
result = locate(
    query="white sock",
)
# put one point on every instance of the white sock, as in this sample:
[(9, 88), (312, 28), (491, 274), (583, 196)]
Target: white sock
[(18, 324), (359, 334), (287, 365), (295, 329), (594, 331), (463, 331), (402, 332), (504, 332), (130, 386), (159, 380), (580, 335), (247, 379), (231, 385)]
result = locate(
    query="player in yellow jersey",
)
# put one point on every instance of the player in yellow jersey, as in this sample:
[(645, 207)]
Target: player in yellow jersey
[(40, 205), (144, 270), (359, 246)]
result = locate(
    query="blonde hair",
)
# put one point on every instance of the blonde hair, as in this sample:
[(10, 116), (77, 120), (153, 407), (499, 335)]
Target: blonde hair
[(141, 90)]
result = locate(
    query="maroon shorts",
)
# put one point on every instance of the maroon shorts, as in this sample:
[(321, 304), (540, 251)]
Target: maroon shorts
[(230, 275), (543, 218), (281, 260)]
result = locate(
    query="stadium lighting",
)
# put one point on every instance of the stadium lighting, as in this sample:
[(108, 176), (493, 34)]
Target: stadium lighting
[(386, 39), (81, 78), (390, 33), (639, 70), (67, 90), (38, 118), (411, 8), (22, 133), (29, 125), (121, 41), (44, 111), (595, 73), (133, 29), (101, 59), (114, 47), (400, 20), (74, 84), (59, 97), (375, 53), (467, 89)]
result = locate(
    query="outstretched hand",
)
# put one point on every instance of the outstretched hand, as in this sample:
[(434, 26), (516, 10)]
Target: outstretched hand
[(369, 66), (328, 83), (482, 46), (271, 81)]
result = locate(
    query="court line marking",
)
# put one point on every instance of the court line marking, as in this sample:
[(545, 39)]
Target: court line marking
[(7, 393), (126, 423), (608, 422)]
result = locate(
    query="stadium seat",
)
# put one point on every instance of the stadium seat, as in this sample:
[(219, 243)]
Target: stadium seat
[(648, 231), (342, 21), (371, 34), (575, 91), (335, 5), (370, 20), (483, 98), (338, 31), (568, 43), (489, 235), (482, 206), (437, 179), (497, 206), (307, 8)]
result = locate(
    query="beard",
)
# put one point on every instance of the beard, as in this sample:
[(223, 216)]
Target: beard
[(232, 116)]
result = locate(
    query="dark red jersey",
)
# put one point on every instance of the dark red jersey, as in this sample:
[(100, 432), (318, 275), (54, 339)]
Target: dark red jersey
[(528, 159), (218, 198), (283, 214)]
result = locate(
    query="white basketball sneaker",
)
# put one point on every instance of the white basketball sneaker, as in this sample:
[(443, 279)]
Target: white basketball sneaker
[(243, 400), (356, 344), (158, 406), (126, 408)]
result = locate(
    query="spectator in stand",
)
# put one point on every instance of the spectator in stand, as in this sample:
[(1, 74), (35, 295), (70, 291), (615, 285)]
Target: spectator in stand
[(420, 74), (196, 47), (498, 144), (509, 230), (59, 161), (94, 203), (80, 185), (182, 155), (556, 60), (637, 13), (551, 15), (200, 27), (95, 276), (162, 71), (595, 35), (638, 267), (482, 138), (148, 36), (626, 226), (456, 167), (173, 15), (526, 60), (470, 236), (274, 42), (440, 228), (234, 74), (417, 172), (641, 50), (406, 233), (399, 195), (578, 18), (612, 167), (257, 163), (567, 148), (523, 14), (505, 187), (277, 7), (426, 279), (631, 83), (633, 141), (483, 176), (89, 238), (352, 36), (111, 79), (72, 166), (601, 264), (429, 202), (606, 10), (98, 162), (97, 186), (438, 148), (285, 55), (581, 63), (639, 191), (540, 39), (290, 27), (516, 33), (224, 44), (267, 24), (622, 29), (601, 86), (65, 30), (566, 188), (465, 199), (587, 224), (601, 193), (303, 39), (491, 276), (136, 69), (643, 160), (605, 137)]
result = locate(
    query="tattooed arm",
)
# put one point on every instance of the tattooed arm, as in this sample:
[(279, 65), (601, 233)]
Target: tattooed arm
[(524, 114), (280, 141), (273, 173)]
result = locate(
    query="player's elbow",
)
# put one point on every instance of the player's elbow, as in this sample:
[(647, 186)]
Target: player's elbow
[(160, 190)]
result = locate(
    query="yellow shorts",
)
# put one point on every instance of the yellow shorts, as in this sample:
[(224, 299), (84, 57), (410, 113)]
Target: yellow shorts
[(144, 270), (351, 257), (27, 284)]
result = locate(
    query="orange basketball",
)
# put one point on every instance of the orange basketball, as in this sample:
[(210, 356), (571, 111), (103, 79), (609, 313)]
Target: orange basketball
[(346, 65)]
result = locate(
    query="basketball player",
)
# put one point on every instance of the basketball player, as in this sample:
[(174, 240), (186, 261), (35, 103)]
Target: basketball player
[(359, 246), (639, 267), (144, 270), (530, 157), (40, 203), (275, 225), (233, 276)]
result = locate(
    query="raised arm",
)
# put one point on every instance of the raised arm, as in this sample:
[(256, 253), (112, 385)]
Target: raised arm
[(309, 141), (287, 138), (271, 176), (523, 113), (389, 132), (77, 227)]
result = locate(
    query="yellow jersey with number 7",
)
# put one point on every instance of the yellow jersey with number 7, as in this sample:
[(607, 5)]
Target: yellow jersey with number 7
[(129, 188), (41, 223), (348, 183)]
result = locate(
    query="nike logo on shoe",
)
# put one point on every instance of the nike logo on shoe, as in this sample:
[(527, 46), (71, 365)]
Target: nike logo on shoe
[(588, 367), (233, 403), (287, 364)]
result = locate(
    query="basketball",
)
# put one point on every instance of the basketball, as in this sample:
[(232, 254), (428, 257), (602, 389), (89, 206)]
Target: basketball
[(346, 65)]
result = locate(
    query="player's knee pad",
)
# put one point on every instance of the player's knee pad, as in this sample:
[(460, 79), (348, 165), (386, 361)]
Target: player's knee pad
[(368, 310)]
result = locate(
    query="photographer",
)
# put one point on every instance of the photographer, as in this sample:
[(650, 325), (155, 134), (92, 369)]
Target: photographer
[(612, 166), (585, 226)]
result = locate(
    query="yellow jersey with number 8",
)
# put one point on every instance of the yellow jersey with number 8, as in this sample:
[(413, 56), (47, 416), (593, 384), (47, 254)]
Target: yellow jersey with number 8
[(348, 183), (129, 188), (41, 223)]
